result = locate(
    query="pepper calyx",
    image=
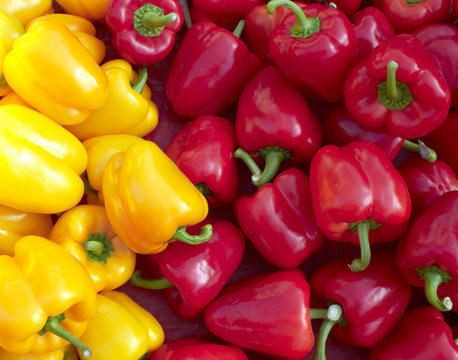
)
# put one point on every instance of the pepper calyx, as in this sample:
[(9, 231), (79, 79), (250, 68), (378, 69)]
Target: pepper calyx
[(393, 94), (149, 20), (433, 277), (98, 247)]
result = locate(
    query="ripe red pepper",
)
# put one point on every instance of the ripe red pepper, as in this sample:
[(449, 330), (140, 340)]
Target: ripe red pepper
[(348, 7), (415, 98), (427, 253), (143, 33), (279, 220), (314, 47), (356, 187), (203, 150), (421, 334), (373, 301), (274, 120), (209, 71)]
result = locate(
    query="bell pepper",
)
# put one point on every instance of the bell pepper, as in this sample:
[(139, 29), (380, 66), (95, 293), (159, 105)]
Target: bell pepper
[(33, 68), (66, 353), (412, 101), (198, 272), (26, 10), (166, 349), (47, 297), (357, 188), (203, 150), (209, 71), (314, 47), (426, 254), (13, 98), (348, 7), (41, 162), (373, 301), (128, 110), (408, 15), (149, 201), (441, 40), (15, 224), (84, 231), (422, 334), (121, 329), (92, 10), (279, 220), (143, 32), (274, 120)]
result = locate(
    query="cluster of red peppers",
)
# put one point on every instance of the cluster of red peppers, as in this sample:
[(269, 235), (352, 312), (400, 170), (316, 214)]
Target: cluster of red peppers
[(303, 171)]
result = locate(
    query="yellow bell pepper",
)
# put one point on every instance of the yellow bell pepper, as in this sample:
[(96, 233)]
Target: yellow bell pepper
[(46, 298), (13, 98), (53, 71), (93, 10), (10, 29), (26, 10), (149, 201), (128, 110), (84, 231), (121, 329), (15, 224), (66, 353), (41, 162)]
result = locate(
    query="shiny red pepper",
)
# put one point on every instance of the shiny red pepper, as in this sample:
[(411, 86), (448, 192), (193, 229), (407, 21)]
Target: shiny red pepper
[(210, 69), (279, 220), (421, 334), (203, 150), (427, 253), (356, 188), (143, 32), (315, 47), (399, 86)]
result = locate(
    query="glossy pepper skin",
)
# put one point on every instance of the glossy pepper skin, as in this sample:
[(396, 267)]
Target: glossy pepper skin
[(15, 224), (426, 254), (143, 33), (356, 187), (279, 220), (203, 150), (209, 70), (398, 86), (422, 334), (129, 108), (42, 162), (66, 353), (26, 10), (147, 198), (92, 10), (33, 69), (42, 280), (202, 351), (314, 47), (254, 317), (84, 231)]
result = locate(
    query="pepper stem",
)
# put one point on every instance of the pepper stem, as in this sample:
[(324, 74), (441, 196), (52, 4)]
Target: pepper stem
[(392, 89), (141, 81), (149, 20), (53, 326), (318, 313), (425, 152), (239, 28), (334, 315), (394, 95), (151, 284), (98, 247), (153, 20), (203, 188), (273, 157), (363, 228), (205, 235), (94, 246), (433, 277), (256, 172)]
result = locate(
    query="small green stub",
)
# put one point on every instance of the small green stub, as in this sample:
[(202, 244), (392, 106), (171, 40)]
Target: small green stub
[(98, 247)]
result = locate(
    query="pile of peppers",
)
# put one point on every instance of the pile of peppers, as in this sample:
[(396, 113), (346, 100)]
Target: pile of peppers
[(228, 179)]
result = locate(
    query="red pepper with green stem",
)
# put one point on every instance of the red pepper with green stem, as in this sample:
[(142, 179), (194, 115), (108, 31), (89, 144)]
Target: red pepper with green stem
[(143, 33), (356, 188)]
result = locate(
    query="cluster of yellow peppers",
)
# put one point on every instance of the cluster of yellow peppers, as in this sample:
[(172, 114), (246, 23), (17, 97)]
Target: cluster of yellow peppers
[(69, 122)]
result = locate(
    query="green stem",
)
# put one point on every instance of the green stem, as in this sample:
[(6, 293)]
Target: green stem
[(433, 277), (318, 313), (203, 188), (425, 152), (256, 172), (333, 317), (413, 1), (205, 235), (141, 81), (151, 284), (94, 246), (361, 264), (456, 341), (239, 28), (149, 20), (392, 89), (98, 247), (152, 20), (273, 157)]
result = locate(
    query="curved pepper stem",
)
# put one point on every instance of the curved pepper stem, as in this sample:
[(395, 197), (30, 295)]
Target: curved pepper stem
[(363, 228), (53, 326), (98, 247), (425, 152), (205, 235), (256, 172), (334, 316), (433, 277), (304, 26), (395, 95), (151, 284), (141, 81), (239, 28), (149, 20)]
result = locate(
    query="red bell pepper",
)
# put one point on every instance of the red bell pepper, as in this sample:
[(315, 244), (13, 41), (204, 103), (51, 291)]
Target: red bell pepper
[(274, 120), (356, 187), (427, 253), (413, 100), (348, 7), (279, 220), (198, 272), (408, 15), (372, 301), (371, 28), (314, 47), (209, 71), (421, 334), (203, 150), (143, 33), (441, 40)]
